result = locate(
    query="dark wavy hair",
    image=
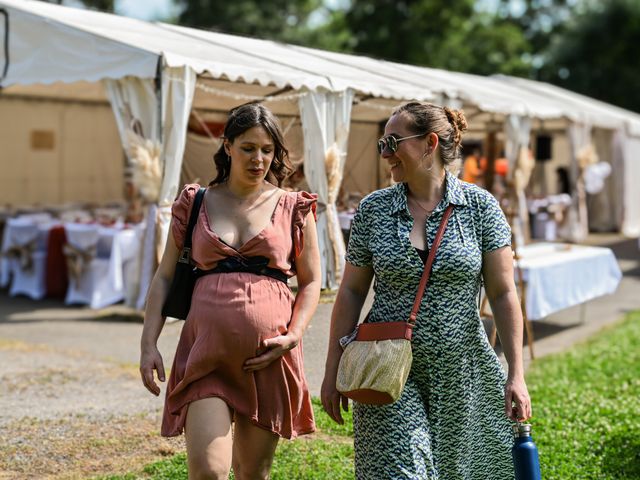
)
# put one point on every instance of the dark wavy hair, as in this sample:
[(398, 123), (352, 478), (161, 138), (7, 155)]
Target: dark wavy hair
[(240, 120)]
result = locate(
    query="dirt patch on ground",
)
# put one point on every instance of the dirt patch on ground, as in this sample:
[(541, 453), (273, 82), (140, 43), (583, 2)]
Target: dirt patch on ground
[(67, 415), (78, 447)]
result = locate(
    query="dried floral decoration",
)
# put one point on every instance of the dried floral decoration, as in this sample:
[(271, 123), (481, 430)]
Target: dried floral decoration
[(144, 166)]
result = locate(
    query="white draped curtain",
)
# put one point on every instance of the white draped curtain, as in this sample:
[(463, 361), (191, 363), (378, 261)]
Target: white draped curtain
[(517, 131), (580, 141), (161, 119), (627, 160), (326, 117)]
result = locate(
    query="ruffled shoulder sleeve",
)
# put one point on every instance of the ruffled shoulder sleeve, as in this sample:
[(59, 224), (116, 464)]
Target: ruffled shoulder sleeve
[(181, 211), (305, 202)]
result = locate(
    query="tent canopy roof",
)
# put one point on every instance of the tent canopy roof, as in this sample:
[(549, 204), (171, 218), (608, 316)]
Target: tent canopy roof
[(51, 43)]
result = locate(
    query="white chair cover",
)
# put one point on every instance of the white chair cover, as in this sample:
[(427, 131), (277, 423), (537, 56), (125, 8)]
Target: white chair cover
[(25, 256), (85, 269), (109, 250)]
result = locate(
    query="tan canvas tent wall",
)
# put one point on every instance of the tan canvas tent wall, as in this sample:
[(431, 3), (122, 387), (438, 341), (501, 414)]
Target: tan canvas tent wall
[(57, 153)]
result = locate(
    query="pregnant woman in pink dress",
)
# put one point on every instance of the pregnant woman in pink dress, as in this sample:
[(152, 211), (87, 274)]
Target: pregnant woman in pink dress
[(238, 365)]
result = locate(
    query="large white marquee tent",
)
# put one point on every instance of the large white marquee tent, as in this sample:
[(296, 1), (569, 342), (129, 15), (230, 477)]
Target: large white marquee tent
[(154, 75)]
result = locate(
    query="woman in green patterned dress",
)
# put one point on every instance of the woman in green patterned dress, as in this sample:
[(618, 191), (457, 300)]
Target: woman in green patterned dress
[(453, 419)]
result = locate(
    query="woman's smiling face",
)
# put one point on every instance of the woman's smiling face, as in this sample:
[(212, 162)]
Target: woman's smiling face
[(407, 158), (251, 155)]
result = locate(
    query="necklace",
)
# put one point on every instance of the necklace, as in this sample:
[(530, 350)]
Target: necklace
[(426, 210)]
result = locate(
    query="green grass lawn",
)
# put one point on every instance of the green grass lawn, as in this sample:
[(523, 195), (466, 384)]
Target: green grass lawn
[(586, 419), (587, 407)]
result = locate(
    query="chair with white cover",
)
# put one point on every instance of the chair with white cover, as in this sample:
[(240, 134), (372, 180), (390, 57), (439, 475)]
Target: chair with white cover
[(92, 261), (24, 249), (83, 266)]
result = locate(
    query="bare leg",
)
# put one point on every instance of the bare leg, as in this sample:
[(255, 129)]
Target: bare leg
[(209, 441), (253, 450)]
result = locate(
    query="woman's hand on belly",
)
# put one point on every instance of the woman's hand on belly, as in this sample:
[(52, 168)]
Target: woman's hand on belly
[(271, 349)]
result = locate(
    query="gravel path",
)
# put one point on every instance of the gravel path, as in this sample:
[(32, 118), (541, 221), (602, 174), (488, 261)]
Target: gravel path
[(46, 383)]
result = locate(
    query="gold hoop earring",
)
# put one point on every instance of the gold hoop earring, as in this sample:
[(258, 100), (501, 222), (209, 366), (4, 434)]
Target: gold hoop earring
[(428, 155)]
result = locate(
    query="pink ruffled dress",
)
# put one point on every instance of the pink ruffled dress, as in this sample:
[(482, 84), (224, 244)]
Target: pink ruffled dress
[(231, 313)]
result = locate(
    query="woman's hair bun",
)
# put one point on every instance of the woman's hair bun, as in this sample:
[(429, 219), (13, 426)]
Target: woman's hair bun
[(458, 122)]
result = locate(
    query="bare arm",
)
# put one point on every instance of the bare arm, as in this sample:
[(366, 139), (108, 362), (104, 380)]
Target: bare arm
[(344, 317), (500, 287), (150, 358), (309, 281)]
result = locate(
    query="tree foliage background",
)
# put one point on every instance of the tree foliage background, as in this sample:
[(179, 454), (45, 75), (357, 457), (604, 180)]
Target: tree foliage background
[(597, 54), (588, 46)]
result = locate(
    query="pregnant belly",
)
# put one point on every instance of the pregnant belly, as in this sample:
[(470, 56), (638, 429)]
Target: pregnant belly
[(234, 312)]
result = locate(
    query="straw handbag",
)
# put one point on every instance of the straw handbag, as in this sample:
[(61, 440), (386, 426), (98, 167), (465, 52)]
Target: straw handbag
[(375, 364)]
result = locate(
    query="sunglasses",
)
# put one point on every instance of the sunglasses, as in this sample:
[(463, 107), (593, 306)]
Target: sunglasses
[(390, 143)]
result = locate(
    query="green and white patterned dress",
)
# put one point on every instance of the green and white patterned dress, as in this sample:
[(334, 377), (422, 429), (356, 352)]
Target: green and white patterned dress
[(449, 423)]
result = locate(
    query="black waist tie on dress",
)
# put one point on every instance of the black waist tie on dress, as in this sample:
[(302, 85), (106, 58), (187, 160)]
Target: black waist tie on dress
[(257, 265)]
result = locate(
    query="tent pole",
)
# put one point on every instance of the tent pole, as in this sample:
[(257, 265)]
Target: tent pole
[(491, 154), (5, 69), (158, 88)]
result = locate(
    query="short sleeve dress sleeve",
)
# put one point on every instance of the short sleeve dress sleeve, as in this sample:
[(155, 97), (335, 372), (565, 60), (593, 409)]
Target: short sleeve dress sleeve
[(305, 202), (496, 232), (181, 211), (358, 252)]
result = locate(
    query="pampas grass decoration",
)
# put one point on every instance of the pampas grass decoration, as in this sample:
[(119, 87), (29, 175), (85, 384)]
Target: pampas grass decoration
[(334, 179), (525, 164), (146, 173), (587, 156), (334, 172)]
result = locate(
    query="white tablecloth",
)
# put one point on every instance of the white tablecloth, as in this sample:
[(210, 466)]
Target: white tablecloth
[(559, 276)]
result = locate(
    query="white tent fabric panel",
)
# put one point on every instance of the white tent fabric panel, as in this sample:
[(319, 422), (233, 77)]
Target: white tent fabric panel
[(325, 122), (93, 30), (84, 34), (629, 151), (578, 107), (517, 130), (603, 206), (339, 76), (134, 103), (579, 135), (224, 59), (485, 93), (53, 51), (517, 134), (178, 86), (498, 94)]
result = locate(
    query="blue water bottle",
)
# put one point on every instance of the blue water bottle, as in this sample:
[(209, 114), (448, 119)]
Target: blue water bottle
[(525, 453)]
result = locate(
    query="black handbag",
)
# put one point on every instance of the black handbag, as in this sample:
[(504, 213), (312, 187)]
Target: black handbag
[(178, 301)]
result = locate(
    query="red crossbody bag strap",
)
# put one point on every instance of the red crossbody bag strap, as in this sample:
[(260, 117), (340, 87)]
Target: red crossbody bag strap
[(429, 263)]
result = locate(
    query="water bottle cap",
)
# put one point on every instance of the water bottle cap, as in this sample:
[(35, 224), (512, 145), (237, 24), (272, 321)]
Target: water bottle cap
[(522, 430)]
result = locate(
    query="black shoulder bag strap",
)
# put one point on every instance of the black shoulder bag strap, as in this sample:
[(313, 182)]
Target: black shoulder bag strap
[(185, 254)]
